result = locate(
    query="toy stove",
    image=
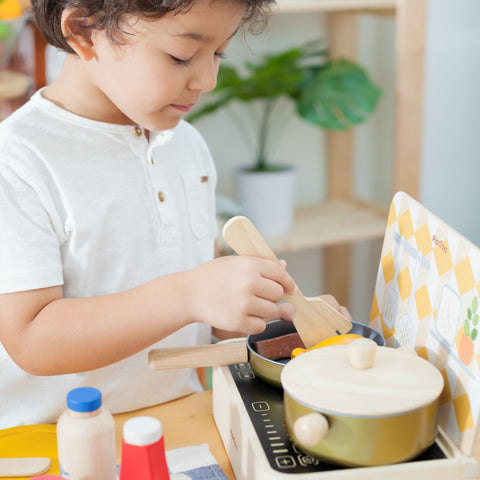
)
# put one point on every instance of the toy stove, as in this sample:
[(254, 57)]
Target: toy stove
[(249, 416), (427, 297)]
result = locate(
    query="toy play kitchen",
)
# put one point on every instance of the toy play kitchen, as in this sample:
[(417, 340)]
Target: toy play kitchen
[(426, 298)]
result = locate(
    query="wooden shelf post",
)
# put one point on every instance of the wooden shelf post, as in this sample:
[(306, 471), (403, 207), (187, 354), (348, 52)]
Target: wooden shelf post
[(411, 19), (343, 41)]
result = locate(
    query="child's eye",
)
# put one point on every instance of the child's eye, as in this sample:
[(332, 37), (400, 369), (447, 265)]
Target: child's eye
[(180, 61)]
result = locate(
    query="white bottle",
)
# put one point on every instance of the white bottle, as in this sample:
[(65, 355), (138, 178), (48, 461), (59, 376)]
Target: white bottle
[(86, 438)]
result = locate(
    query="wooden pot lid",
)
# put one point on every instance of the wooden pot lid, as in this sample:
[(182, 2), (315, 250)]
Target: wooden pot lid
[(398, 382)]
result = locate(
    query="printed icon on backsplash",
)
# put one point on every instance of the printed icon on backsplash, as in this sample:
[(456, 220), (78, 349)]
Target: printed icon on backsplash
[(468, 333)]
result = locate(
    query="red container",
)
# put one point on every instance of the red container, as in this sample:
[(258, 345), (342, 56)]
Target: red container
[(143, 450)]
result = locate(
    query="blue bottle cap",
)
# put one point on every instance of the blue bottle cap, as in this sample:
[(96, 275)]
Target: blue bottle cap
[(84, 399)]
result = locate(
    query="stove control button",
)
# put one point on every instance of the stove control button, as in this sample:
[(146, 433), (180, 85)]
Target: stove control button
[(242, 366), (306, 461), (285, 461), (260, 406)]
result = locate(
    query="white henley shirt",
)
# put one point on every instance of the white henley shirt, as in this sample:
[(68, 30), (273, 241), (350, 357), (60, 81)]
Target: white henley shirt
[(99, 209)]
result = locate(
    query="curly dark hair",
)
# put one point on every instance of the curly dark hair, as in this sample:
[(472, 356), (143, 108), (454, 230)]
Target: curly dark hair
[(107, 15)]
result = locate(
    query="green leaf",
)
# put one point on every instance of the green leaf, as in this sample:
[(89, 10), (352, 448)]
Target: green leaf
[(466, 327), (475, 304), (335, 95), (474, 334), (338, 96), (475, 320), (469, 313)]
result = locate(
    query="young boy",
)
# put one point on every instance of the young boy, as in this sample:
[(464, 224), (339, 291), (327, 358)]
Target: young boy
[(107, 211)]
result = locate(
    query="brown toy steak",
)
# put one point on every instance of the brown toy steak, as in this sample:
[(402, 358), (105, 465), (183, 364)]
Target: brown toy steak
[(278, 347)]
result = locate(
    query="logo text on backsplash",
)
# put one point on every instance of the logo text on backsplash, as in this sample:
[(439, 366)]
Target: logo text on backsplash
[(440, 244)]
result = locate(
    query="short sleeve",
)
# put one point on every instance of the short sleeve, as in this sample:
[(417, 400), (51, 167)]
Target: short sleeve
[(29, 249)]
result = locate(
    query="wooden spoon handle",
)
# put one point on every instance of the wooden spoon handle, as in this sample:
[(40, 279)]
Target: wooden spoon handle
[(240, 233), (24, 467), (314, 319), (223, 353)]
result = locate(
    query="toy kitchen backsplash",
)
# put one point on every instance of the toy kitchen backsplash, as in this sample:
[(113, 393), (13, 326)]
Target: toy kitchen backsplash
[(427, 296)]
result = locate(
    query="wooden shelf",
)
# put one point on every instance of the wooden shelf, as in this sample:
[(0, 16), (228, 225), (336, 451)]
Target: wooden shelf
[(330, 223), (12, 84), (334, 5)]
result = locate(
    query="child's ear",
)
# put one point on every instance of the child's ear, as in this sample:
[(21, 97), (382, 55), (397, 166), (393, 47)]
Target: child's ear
[(76, 35)]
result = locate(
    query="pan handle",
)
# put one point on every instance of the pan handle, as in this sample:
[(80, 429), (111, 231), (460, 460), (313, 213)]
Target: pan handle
[(227, 352)]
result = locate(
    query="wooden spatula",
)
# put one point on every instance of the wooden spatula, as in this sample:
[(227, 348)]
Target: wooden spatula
[(315, 320), (24, 467)]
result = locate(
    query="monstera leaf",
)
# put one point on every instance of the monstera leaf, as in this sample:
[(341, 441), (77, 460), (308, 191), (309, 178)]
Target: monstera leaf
[(337, 96), (333, 94)]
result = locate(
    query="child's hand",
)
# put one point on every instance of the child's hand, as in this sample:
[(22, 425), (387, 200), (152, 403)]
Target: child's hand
[(333, 302), (239, 293)]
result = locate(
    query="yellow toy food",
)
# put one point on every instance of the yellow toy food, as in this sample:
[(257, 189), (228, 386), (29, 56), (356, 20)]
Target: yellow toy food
[(344, 339), (10, 9)]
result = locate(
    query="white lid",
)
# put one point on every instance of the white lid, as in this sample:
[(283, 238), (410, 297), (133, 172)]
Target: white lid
[(141, 431), (398, 382)]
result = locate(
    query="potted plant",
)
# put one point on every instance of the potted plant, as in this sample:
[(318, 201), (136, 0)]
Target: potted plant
[(333, 94)]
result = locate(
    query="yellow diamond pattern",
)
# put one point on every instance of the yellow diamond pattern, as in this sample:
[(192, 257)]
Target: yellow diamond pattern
[(463, 413), (388, 268), (464, 274), (423, 352), (375, 310), (424, 240), (392, 216), (405, 224), (404, 283), (422, 301), (443, 260), (446, 395)]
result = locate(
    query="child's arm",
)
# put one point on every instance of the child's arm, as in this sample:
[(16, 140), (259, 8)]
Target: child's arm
[(47, 334)]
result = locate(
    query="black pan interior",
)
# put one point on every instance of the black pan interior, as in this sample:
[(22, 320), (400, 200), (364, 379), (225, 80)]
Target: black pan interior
[(281, 327)]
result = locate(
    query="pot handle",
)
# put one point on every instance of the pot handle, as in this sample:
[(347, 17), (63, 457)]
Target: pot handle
[(222, 353), (311, 429)]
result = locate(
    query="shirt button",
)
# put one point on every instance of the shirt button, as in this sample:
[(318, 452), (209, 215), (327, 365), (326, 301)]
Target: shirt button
[(161, 196), (138, 131)]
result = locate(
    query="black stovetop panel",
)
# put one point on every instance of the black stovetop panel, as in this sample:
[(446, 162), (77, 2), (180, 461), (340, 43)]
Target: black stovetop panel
[(264, 405)]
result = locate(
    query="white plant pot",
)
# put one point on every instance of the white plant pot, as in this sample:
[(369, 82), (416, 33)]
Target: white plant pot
[(267, 199)]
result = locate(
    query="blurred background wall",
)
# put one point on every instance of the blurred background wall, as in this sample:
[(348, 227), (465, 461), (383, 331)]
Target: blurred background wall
[(450, 174)]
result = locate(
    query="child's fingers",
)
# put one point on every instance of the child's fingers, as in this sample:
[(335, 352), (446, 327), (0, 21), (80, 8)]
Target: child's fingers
[(286, 311), (333, 302), (344, 311), (277, 273)]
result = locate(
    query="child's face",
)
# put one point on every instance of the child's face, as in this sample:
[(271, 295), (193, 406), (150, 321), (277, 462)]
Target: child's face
[(165, 66)]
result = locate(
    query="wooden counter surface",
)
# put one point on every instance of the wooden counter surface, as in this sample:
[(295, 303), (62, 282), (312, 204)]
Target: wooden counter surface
[(186, 422)]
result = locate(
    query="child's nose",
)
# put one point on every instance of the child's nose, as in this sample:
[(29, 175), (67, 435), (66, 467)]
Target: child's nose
[(204, 78)]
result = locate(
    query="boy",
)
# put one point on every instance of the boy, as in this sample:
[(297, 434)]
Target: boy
[(107, 211)]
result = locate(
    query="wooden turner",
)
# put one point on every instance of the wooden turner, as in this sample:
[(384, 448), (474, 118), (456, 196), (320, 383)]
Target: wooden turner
[(314, 319)]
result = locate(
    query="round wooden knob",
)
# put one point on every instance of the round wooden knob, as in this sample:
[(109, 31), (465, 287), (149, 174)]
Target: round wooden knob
[(361, 353), (310, 429)]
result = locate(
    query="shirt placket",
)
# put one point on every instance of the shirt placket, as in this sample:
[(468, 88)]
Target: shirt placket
[(158, 189)]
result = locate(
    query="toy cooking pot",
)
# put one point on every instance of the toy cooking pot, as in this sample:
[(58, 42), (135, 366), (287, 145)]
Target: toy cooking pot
[(361, 404), (241, 350)]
